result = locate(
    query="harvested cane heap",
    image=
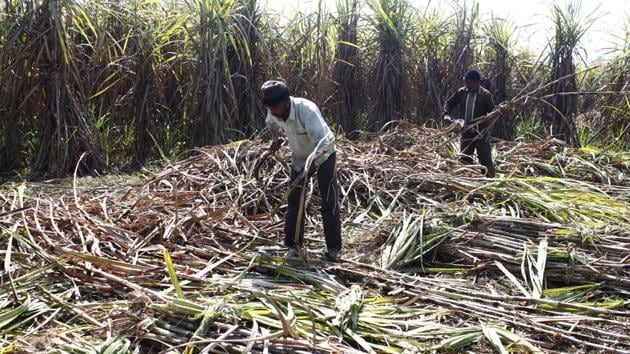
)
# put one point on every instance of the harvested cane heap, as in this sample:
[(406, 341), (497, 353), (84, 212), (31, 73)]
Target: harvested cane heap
[(436, 257)]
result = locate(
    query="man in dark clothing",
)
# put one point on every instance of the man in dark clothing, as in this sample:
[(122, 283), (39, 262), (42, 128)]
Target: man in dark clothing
[(473, 101), (309, 137)]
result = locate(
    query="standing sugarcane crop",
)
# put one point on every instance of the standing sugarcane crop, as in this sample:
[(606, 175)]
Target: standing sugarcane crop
[(473, 102), (312, 143)]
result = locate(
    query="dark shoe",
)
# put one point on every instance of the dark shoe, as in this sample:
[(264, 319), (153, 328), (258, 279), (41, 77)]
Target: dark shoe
[(333, 256)]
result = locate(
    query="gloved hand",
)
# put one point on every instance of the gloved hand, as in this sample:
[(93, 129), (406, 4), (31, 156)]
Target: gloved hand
[(276, 145), (454, 126), (458, 126)]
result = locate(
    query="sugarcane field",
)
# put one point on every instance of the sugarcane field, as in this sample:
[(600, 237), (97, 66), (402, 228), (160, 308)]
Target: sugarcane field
[(322, 176)]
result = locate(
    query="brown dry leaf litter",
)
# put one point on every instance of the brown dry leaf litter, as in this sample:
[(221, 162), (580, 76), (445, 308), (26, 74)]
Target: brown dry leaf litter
[(437, 258)]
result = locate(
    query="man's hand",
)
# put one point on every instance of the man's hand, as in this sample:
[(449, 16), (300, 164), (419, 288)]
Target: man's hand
[(454, 125), (276, 145), (312, 170), (272, 150), (301, 175), (457, 126)]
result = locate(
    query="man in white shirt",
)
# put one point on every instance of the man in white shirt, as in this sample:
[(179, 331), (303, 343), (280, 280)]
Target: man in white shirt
[(308, 134)]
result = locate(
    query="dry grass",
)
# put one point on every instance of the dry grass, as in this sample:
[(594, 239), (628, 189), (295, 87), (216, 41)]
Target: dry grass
[(190, 257)]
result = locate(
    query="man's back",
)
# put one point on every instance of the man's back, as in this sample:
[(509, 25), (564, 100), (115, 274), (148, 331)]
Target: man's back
[(305, 129)]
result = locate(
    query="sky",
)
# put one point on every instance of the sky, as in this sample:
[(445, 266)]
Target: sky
[(532, 17)]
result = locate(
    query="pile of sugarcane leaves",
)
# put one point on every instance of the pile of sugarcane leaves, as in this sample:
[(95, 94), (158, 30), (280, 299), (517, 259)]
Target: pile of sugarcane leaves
[(437, 258)]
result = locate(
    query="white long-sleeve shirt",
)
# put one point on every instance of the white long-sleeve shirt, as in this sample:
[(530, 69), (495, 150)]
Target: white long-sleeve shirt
[(305, 130)]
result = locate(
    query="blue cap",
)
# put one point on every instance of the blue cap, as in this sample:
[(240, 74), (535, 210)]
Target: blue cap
[(472, 74)]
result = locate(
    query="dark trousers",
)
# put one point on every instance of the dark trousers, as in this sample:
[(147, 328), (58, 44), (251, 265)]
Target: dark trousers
[(472, 141), (329, 189)]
